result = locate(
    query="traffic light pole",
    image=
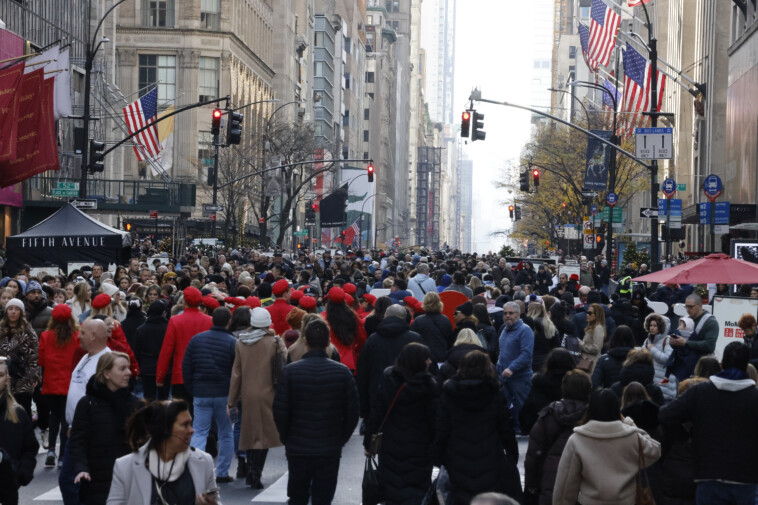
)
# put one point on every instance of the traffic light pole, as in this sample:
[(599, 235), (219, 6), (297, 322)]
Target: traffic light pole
[(215, 182)]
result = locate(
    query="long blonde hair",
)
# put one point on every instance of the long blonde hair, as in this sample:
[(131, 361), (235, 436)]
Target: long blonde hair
[(11, 406), (599, 320), (537, 310)]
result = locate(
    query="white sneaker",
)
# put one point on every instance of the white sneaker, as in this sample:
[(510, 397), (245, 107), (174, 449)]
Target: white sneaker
[(43, 435)]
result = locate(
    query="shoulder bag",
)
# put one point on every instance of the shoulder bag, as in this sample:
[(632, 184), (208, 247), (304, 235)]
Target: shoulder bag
[(376, 438), (644, 493), (277, 362)]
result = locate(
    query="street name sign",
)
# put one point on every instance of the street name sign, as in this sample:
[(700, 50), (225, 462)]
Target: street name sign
[(64, 192)]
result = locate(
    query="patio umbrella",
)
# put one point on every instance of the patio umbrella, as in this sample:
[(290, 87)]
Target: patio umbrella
[(714, 268)]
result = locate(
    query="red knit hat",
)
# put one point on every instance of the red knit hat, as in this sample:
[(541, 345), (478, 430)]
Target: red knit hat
[(192, 297), (296, 295), (61, 313), (574, 277), (253, 302), (369, 298), (280, 287), (307, 303), (349, 301), (101, 301), (349, 288), (210, 302), (336, 295)]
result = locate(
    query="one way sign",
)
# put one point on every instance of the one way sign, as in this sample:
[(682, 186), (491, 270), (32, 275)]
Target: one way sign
[(648, 213)]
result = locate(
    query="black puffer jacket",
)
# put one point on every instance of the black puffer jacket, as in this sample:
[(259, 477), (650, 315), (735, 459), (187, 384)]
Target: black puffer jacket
[(19, 445), (546, 442), (133, 320), (546, 388), (379, 352), (609, 367), (148, 341), (644, 373), (474, 426), (490, 336), (405, 462), (436, 333), (454, 356), (316, 406), (98, 437)]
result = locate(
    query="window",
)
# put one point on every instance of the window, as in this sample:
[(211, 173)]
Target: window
[(370, 19), (369, 42), (160, 70), (346, 119), (366, 114), (318, 69), (572, 52), (208, 78), (210, 14), (365, 155), (365, 135), (347, 80), (345, 153), (369, 77), (347, 44), (158, 13)]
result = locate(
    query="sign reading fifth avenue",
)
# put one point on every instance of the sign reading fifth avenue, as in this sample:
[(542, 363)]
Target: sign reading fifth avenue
[(654, 143)]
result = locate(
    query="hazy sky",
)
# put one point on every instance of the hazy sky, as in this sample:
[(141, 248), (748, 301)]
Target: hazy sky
[(493, 53)]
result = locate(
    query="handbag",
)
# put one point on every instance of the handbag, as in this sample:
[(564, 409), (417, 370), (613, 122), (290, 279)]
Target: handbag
[(370, 486), (277, 362), (376, 438), (585, 364), (642, 483)]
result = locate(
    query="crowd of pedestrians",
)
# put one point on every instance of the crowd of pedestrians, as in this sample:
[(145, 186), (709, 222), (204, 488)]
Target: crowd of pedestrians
[(263, 350)]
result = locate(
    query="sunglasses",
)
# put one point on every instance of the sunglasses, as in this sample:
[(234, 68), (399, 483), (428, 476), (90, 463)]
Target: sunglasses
[(590, 313)]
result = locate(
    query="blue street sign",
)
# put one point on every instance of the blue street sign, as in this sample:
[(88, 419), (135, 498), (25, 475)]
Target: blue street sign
[(668, 187), (721, 213), (593, 209), (675, 207), (712, 186), (612, 198)]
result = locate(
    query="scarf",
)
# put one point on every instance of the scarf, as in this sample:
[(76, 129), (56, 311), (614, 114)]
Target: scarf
[(167, 471)]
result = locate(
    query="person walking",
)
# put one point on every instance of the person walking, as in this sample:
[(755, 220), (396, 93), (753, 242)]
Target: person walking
[(421, 283), (602, 458), (434, 327), (57, 346), (259, 358), (148, 340), (19, 343), (407, 399), (514, 364), (594, 337), (474, 437), (657, 343), (207, 371), (18, 445), (609, 365), (313, 444), (98, 430), (546, 386)]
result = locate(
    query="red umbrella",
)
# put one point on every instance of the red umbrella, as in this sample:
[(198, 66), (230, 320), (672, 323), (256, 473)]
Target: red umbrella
[(714, 268)]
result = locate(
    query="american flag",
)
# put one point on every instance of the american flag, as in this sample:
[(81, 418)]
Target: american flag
[(584, 38), (352, 232), (604, 24), (637, 84), (635, 3), (139, 114), (607, 100)]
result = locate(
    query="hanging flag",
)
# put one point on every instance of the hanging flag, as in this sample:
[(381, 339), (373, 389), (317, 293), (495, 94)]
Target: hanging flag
[(47, 60), (29, 105), (584, 38), (604, 24), (10, 80), (352, 231), (607, 100), (637, 86), (166, 138), (598, 158), (138, 114), (635, 3), (63, 86)]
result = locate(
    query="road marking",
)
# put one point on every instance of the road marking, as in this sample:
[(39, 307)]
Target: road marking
[(275, 494), (52, 495)]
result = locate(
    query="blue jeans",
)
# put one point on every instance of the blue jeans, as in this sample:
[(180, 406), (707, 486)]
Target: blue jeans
[(721, 493), (516, 388), (214, 409), (69, 490)]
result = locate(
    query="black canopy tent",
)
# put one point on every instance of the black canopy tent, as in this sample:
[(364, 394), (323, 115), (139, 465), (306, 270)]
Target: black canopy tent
[(69, 235)]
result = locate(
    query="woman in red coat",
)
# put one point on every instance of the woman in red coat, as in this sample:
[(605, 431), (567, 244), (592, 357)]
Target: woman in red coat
[(346, 330), (57, 346)]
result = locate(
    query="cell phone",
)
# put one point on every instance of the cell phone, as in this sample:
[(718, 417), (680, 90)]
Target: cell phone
[(212, 493), (233, 415)]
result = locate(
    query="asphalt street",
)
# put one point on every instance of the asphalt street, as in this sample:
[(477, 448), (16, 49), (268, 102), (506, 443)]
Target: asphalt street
[(43, 490)]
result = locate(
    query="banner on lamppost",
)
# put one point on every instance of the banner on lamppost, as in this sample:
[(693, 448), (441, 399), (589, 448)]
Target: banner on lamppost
[(598, 159)]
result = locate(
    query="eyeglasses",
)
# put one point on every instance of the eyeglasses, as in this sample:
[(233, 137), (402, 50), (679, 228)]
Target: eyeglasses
[(690, 306)]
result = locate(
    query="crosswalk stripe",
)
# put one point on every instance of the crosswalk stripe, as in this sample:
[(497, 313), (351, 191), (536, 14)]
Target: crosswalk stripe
[(275, 494), (52, 495)]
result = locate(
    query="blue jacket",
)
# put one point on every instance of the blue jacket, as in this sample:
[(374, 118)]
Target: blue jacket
[(207, 364), (516, 349)]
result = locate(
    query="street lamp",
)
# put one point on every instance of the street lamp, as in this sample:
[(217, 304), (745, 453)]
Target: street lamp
[(360, 220), (90, 56)]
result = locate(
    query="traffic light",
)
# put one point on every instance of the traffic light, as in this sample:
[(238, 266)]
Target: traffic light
[(476, 130), (524, 182), (310, 214), (518, 213), (216, 121), (211, 176), (465, 124), (96, 156), (370, 170), (234, 129), (536, 175), (128, 226), (510, 210), (563, 205)]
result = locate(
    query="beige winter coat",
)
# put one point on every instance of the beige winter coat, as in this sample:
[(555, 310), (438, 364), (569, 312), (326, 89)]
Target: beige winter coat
[(599, 463), (592, 345), (251, 383)]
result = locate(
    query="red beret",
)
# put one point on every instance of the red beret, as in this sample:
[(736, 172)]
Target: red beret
[(253, 302), (280, 287), (369, 298), (574, 277), (307, 303), (296, 295), (61, 313), (192, 297), (336, 295), (349, 288), (349, 300), (210, 302), (101, 301)]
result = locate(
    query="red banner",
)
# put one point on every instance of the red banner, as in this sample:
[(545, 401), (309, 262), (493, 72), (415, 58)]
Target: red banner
[(9, 82)]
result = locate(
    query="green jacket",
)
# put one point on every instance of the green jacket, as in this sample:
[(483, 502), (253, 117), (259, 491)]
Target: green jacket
[(709, 333)]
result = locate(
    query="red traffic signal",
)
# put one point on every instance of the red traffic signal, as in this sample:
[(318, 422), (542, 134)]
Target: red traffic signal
[(510, 210), (370, 170), (465, 124), (216, 121), (536, 175)]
